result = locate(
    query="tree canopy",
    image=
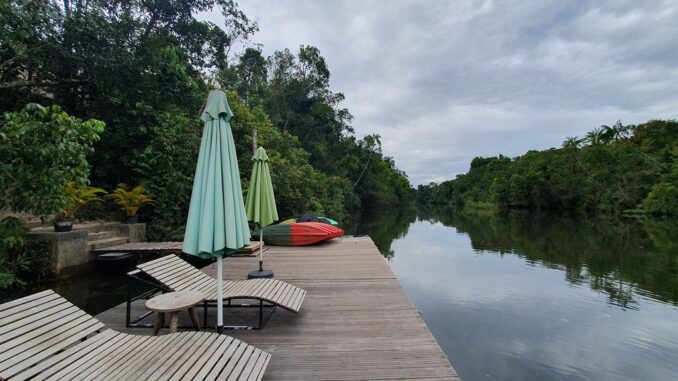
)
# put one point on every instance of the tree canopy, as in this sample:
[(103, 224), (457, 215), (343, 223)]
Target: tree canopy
[(144, 68), (43, 149), (613, 169)]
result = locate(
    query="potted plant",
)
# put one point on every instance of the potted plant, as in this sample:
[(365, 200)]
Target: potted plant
[(76, 197), (130, 200)]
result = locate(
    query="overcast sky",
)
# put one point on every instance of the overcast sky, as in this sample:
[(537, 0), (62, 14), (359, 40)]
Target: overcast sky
[(445, 81)]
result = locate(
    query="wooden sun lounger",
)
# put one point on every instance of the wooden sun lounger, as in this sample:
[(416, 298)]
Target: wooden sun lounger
[(174, 274), (45, 337)]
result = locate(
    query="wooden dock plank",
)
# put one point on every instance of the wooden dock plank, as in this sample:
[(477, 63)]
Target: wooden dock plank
[(356, 322), (167, 247)]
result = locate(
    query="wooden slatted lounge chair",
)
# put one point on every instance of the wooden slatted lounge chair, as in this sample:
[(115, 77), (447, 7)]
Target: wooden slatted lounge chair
[(45, 337), (172, 273)]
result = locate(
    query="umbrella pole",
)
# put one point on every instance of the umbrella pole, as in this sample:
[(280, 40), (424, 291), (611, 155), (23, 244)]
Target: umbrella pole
[(261, 273), (220, 301), (261, 249)]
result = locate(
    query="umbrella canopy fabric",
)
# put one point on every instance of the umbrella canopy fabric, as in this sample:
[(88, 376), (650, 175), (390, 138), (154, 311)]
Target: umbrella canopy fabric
[(217, 222), (260, 203)]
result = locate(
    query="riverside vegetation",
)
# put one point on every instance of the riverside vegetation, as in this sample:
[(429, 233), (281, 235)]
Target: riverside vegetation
[(121, 84), (632, 168), (110, 92), (143, 69)]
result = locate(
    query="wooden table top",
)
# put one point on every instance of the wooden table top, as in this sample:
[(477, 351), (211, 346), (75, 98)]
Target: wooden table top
[(174, 301)]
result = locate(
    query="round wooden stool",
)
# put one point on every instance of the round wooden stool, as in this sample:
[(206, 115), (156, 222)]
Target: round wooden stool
[(174, 302)]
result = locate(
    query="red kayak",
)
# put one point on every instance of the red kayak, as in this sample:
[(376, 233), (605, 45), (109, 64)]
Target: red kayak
[(299, 233)]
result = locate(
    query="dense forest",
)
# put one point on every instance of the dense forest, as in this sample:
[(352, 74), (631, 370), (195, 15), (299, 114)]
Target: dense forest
[(144, 69), (613, 169)]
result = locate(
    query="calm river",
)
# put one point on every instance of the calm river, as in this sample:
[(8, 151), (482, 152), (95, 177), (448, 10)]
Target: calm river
[(514, 297), (520, 297)]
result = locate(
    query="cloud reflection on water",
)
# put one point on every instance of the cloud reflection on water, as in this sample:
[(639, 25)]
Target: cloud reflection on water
[(506, 298)]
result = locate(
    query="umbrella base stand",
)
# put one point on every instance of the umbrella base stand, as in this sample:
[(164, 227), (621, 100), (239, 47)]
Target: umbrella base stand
[(260, 274)]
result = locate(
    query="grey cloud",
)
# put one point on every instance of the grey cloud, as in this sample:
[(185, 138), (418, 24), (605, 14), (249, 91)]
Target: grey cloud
[(443, 82)]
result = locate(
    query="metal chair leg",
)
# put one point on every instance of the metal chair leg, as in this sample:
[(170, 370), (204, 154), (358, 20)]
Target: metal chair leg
[(204, 315), (261, 313), (129, 303)]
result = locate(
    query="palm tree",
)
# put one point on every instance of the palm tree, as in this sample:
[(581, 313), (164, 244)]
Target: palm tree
[(573, 144), (615, 133), (596, 136)]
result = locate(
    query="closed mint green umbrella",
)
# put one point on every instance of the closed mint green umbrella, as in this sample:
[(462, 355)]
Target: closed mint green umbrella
[(260, 203), (217, 222)]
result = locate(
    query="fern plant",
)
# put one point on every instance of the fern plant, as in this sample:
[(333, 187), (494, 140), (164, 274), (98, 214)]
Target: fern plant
[(130, 201), (76, 197)]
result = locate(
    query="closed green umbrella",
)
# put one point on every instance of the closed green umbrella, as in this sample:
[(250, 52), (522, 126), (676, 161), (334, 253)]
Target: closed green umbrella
[(260, 204), (217, 222)]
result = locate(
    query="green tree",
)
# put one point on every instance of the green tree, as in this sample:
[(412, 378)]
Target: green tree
[(298, 186), (248, 78), (43, 149), (124, 62), (621, 168), (79, 55), (168, 163), (662, 199), (299, 101)]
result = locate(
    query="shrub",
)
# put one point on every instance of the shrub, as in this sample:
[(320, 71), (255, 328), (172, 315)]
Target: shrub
[(20, 259), (662, 199), (77, 197), (130, 200), (42, 149), (168, 164)]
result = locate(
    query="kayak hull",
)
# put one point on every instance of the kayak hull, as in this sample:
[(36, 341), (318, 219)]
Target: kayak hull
[(299, 233)]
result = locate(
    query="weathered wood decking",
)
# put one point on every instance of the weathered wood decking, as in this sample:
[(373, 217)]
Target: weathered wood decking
[(161, 247), (356, 322)]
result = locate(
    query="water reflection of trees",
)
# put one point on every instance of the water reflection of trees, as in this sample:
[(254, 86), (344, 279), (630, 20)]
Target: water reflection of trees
[(619, 257), (384, 226)]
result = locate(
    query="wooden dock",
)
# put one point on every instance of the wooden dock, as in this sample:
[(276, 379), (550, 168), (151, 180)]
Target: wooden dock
[(170, 247), (356, 322)]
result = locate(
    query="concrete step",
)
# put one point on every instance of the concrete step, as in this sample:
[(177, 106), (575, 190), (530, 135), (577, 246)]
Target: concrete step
[(89, 226), (35, 224), (29, 220), (95, 236), (106, 242), (96, 226)]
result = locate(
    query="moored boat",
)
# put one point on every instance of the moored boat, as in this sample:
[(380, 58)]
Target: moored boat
[(311, 218), (299, 233)]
